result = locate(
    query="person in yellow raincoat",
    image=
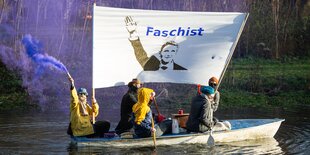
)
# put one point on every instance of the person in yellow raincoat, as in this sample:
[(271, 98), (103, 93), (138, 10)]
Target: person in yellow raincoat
[(142, 112), (81, 115)]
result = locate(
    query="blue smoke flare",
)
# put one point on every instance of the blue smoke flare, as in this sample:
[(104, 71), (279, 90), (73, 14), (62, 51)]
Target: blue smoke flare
[(35, 51)]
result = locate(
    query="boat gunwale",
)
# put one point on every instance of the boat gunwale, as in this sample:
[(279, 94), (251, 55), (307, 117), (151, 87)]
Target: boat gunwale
[(171, 136)]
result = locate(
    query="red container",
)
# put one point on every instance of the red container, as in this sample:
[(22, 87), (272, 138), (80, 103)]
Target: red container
[(181, 111)]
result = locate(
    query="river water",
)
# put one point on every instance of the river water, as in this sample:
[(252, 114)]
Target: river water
[(45, 133)]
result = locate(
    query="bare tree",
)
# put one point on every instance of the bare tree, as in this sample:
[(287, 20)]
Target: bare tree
[(275, 12)]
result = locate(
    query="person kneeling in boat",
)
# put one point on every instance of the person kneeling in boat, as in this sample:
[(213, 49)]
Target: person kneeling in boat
[(201, 114), (128, 100), (142, 114), (81, 114)]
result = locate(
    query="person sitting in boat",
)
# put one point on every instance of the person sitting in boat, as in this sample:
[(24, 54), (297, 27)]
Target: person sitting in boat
[(142, 114), (128, 100), (201, 114), (213, 82), (81, 114), (219, 125)]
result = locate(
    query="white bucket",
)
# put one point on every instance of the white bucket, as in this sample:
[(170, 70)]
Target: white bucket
[(175, 126)]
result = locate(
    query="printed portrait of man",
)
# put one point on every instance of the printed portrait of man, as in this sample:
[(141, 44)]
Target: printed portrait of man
[(167, 51)]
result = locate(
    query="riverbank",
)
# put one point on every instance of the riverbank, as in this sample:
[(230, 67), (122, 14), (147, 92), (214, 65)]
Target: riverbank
[(261, 83), (247, 83), (13, 96)]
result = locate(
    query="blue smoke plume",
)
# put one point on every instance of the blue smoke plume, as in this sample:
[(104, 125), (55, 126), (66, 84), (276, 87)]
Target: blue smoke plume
[(34, 50)]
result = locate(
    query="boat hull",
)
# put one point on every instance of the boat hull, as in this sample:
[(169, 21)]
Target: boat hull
[(246, 129)]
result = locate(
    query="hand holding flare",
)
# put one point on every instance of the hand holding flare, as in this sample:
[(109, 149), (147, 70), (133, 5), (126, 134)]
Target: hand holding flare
[(70, 79)]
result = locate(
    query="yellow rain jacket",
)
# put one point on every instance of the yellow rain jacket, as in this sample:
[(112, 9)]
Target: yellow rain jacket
[(81, 125), (141, 108)]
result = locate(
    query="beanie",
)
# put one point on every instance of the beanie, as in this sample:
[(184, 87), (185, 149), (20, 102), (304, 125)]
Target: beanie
[(207, 90), (213, 80)]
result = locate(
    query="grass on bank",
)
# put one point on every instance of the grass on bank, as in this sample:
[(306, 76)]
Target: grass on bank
[(261, 83), (247, 83)]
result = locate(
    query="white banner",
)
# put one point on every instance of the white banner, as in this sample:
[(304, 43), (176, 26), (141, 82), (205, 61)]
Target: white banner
[(161, 46)]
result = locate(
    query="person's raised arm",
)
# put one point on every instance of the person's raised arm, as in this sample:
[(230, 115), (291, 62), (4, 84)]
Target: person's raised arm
[(71, 81), (131, 27), (74, 96), (140, 53), (95, 106)]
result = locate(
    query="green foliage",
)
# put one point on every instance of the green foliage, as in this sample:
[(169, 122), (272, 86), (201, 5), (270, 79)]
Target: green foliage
[(13, 96), (240, 98), (293, 24), (252, 82), (260, 82)]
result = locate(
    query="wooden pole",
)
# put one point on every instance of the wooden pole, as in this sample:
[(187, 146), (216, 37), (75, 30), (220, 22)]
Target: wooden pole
[(232, 50), (157, 109), (93, 113), (154, 134)]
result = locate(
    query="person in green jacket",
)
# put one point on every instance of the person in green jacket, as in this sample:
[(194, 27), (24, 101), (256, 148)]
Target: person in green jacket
[(81, 115)]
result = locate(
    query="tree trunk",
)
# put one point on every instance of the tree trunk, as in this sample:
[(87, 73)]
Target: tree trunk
[(275, 11)]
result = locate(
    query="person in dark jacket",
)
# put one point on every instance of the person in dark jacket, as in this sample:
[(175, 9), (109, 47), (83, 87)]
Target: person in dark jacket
[(201, 113), (128, 100)]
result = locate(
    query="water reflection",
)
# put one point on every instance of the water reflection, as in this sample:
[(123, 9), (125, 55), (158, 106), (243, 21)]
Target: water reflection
[(32, 134), (263, 146), (294, 136)]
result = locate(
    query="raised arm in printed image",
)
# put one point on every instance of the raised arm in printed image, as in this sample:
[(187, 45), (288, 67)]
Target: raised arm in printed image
[(165, 58)]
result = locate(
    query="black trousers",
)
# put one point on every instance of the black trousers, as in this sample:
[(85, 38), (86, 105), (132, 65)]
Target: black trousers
[(100, 127)]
